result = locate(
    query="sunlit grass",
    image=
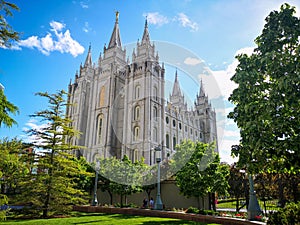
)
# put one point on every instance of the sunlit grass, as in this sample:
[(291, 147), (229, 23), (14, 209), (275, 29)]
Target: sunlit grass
[(103, 219)]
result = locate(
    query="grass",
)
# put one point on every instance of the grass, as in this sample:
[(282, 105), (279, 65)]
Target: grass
[(270, 204), (103, 219)]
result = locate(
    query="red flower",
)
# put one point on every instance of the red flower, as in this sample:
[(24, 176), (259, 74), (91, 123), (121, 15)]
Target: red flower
[(258, 217)]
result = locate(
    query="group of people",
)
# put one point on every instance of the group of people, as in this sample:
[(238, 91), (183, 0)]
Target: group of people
[(145, 203)]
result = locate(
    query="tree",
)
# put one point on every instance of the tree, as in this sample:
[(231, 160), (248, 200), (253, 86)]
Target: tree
[(7, 34), (12, 167), (121, 176), (5, 108), (202, 174), (267, 98), (55, 182), (238, 186)]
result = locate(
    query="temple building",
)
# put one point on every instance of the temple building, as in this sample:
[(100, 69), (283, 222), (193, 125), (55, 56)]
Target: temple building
[(119, 105)]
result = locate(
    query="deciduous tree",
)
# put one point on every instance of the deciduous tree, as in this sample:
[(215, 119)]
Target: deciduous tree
[(268, 97), (202, 173)]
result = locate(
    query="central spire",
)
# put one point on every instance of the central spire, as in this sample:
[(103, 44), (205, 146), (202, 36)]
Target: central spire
[(176, 87), (146, 36), (115, 39)]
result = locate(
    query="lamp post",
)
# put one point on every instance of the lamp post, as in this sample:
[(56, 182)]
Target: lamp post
[(97, 167), (158, 202), (253, 207)]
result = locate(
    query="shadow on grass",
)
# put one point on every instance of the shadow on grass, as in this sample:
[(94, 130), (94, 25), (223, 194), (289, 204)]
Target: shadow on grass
[(122, 216), (172, 222), (89, 222)]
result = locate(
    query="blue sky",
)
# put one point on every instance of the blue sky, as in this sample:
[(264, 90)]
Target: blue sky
[(56, 35)]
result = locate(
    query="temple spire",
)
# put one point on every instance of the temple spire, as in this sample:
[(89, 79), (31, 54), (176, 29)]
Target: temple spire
[(88, 60), (115, 39), (176, 87), (202, 91), (146, 36)]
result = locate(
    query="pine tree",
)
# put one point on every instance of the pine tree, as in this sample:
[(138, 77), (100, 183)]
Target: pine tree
[(55, 179)]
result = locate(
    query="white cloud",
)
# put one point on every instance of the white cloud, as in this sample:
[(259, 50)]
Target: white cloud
[(192, 61), (62, 42), (33, 124), (226, 134), (222, 77), (57, 26), (84, 5), (86, 27), (186, 22), (156, 18)]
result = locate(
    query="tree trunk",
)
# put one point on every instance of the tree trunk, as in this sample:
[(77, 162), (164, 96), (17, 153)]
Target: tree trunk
[(111, 197), (214, 201), (237, 205), (209, 200), (121, 200), (198, 200)]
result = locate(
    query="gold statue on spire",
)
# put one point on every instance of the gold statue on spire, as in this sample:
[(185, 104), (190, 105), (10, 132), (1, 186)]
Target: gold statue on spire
[(117, 16)]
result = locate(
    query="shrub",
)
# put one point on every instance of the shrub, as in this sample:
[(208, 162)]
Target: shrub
[(289, 215), (192, 210), (207, 212)]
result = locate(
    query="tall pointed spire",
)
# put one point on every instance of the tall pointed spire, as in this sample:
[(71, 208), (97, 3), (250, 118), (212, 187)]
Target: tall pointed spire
[(202, 91), (176, 87), (115, 39), (88, 60), (146, 36)]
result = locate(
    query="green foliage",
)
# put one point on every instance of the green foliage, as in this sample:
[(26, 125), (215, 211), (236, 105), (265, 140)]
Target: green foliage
[(202, 173), (121, 177), (290, 215), (55, 179), (192, 210), (7, 34), (5, 109), (268, 97), (3, 201), (207, 212)]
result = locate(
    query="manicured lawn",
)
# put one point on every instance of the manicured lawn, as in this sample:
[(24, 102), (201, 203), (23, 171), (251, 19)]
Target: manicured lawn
[(103, 219)]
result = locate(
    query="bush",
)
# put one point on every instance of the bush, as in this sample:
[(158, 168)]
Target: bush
[(289, 215), (207, 212), (192, 210)]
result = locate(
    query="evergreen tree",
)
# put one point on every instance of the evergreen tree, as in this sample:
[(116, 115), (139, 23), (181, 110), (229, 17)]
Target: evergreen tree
[(7, 34), (56, 177), (5, 109)]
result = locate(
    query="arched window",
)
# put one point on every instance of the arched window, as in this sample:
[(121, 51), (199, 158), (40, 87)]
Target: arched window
[(135, 156), (136, 134), (167, 141), (155, 113), (137, 92), (167, 120), (99, 127), (174, 143), (155, 134), (136, 113), (155, 92), (102, 96)]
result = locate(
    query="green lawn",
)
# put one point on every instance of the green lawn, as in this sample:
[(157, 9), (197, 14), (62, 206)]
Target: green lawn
[(103, 219)]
